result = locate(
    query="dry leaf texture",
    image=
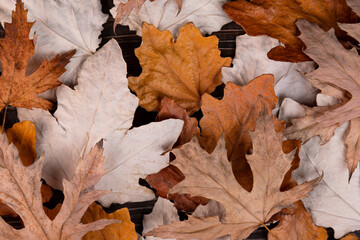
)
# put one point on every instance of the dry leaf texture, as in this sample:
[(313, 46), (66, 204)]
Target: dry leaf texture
[(210, 176), (183, 71), (62, 26), (124, 230), (17, 88), (206, 15), (20, 189), (101, 106), (353, 29), (233, 117), (251, 61), (335, 201), (276, 18), (337, 76)]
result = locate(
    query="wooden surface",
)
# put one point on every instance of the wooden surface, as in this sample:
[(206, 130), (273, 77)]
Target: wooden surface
[(128, 41)]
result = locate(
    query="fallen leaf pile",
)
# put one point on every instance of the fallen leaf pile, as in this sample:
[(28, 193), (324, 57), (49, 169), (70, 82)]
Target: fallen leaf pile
[(278, 147)]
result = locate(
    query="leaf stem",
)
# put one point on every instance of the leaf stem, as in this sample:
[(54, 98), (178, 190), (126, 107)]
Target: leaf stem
[(269, 231), (3, 122)]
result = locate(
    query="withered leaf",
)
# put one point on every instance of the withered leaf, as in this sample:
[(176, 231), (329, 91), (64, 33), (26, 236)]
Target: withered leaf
[(276, 18), (233, 117), (124, 230), (20, 190), (210, 176), (337, 76), (16, 48), (183, 71)]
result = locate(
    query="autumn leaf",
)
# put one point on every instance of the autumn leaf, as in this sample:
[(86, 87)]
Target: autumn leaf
[(102, 106), (20, 190), (233, 117), (206, 15), (210, 176), (353, 29), (251, 61), (338, 77), (124, 230), (164, 63), (16, 48), (276, 18), (335, 201)]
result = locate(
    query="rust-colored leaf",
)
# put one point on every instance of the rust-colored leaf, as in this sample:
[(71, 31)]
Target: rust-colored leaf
[(124, 230), (276, 18), (234, 116), (16, 48), (183, 71)]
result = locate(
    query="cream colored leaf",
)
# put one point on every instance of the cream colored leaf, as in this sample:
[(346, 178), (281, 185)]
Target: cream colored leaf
[(335, 201), (20, 189), (206, 15), (251, 61), (61, 26), (210, 176), (101, 106)]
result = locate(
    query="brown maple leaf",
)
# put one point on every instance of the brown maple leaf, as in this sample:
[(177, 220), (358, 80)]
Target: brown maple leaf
[(233, 117), (183, 71), (337, 76), (124, 9), (16, 48), (210, 176), (276, 18)]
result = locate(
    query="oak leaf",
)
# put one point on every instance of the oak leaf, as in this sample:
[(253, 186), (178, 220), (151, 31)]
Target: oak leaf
[(124, 230), (233, 117), (251, 61), (101, 106), (206, 15), (335, 201), (17, 88), (353, 29), (183, 71), (20, 190), (338, 77), (210, 176), (277, 19)]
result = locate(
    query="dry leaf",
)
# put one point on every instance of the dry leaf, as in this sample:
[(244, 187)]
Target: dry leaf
[(183, 71), (210, 176), (335, 201), (233, 117), (276, 18), (206, 15), (337, 76), (18, 89), (350, 237), (124, 230), (251, 61), (101, 106), (353, 29), (20, 190)]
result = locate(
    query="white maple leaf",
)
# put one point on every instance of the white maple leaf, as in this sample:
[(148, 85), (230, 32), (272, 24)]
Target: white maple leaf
[(251, 61), (101, 106), (206, 15), (335, 201), (61, 26)]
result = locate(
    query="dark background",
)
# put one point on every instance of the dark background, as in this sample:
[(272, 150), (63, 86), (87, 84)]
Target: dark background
[(128, 41)]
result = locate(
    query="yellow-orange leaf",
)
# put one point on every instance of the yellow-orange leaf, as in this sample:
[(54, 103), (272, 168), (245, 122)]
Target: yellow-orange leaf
[(119, 231), (183, 71), (16, 48)]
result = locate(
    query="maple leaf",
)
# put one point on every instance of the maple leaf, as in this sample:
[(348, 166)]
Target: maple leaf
[(20, 189), (277, 19), (62, 26), (335, 201), (18, 89), (210, 176), (124, 230), (251, 61), (101, 106), (337, 76), (233, 117), (206, 15), (164, 61)]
